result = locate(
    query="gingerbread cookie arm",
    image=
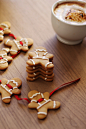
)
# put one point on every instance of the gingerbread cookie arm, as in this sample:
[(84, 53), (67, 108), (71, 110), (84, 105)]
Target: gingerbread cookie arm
[(15, 83), (9, 58), (54, 105), (30, 41), (31, 55), (50, 56), (33, 105), (8, 42), (33, 62), (6, 27), (46, 64), (7, 31)]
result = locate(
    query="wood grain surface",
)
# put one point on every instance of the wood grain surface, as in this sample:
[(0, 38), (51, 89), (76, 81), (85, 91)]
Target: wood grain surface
[(32, 19)]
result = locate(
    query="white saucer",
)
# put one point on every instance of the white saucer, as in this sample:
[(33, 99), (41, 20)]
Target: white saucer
[(68, 42)]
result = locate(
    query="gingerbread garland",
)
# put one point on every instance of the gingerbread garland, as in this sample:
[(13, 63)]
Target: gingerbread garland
[(38, 100), (17, 44)]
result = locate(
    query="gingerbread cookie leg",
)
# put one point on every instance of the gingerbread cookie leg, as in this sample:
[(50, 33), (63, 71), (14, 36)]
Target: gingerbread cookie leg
[(4, 58)]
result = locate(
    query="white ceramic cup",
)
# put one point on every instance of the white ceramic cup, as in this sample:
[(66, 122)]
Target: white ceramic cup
[(67, 33)]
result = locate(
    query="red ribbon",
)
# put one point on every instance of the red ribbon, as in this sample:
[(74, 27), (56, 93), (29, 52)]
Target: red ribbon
[(16, 96), (41, 99), (63, 85), (12, 35), (1, 28), (13, 56), (1, 58)]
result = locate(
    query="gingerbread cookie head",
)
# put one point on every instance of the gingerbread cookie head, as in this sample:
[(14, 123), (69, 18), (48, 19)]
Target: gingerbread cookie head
[(6, 92), (43, 106), (4, 58), (40, 57), (18, 44), (4, 29)]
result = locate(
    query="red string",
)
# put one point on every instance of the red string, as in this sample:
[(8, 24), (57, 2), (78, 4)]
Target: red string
[(63, 85), (16, 96), (13, 56), (41, 99), (9, 86), (21, 43), (1, 28), (12, 35)]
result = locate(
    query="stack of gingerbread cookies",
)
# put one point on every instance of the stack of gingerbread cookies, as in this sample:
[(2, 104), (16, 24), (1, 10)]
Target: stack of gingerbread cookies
[(39, 65)]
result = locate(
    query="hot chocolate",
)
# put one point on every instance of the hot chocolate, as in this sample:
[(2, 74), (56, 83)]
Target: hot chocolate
[(71, 12)]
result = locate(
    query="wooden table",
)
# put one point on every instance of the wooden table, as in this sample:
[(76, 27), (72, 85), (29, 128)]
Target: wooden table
[(32, 19)]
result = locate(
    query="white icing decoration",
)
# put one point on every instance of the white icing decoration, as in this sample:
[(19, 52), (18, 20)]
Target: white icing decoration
[(13, 82), (7, 41), (16, 43), (42, 113), (5, 61), (45, 78), (26, 42), (33, 67), (1, 32), (35, 95), (34, 100), (4, 86), (46, 101), (38, 57), (1, 36), (34, 73), (36, 53), (48, 64), (32, 61), (6, 97), (54, 104), (13, 50), (41, 50), (2, 55), (7, 50), (5, 25), (45, 53)]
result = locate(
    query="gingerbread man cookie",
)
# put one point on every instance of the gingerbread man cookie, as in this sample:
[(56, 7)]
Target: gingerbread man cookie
[(4, 58), (6, 91), (4, 29), (40, 57), (18, 44), (43, 106), (40, 65)]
